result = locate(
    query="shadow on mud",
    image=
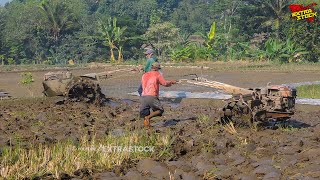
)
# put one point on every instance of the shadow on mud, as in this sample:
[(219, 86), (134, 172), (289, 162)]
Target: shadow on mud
[(292, 123), (173, 122), (297, 124)]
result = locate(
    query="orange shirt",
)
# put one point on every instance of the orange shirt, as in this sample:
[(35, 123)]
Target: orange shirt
[(151, 83)]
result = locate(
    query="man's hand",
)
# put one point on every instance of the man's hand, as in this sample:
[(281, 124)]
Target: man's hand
[(174, 82)]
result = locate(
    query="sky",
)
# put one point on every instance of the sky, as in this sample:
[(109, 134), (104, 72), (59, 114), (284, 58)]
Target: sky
[(3, 2)]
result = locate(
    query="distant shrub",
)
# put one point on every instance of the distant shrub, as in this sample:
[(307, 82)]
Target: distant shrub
[(27, 80)]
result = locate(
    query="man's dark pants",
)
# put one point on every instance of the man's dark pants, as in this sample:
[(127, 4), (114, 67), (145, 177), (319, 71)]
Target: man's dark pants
[(150, 102)]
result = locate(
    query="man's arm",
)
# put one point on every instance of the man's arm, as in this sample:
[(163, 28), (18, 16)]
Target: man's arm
[(165, 83)]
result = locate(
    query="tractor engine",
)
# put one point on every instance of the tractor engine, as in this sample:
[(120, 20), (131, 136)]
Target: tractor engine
[(276, 98)]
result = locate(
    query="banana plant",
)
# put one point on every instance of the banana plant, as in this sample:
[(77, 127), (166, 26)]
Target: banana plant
[(292, 50), (210, 35), (112, 36), (181, 53), (284, 51), (273, 48), (245, 50), (118, 34), (107, 35)]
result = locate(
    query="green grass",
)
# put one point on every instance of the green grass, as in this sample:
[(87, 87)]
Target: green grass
[(67, 157), (287, 128), (309, 91), (203, 118), (211, 174)]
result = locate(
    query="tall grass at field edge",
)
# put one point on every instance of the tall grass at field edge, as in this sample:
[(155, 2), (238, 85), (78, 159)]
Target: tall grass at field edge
[(67, 157)]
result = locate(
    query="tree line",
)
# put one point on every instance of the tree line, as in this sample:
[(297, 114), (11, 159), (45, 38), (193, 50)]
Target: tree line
[(56, 31)]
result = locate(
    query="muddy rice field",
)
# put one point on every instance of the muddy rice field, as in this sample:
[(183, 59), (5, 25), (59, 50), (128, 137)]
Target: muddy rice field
[(201, 148)]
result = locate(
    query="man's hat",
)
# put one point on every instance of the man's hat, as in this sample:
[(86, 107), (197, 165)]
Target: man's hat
[(149, 51), (156, 65)]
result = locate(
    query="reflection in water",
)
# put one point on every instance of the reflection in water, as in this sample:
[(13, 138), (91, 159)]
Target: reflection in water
[(308, 101)]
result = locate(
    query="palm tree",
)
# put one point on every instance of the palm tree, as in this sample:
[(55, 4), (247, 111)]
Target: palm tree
[(57, 16), (277, 7)]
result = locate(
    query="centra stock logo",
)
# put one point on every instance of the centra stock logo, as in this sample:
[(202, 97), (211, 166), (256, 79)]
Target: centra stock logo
[(299, 12)]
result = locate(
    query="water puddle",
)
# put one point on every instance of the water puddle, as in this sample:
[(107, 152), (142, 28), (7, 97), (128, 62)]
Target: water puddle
[(196, 95), (309, 101), (223, 96)]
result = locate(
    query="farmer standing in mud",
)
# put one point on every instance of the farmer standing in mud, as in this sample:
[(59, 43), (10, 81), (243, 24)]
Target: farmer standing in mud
[(150, 95), (150, 59)]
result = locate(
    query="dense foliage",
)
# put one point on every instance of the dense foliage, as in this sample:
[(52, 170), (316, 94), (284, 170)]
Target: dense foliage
[(56, 31)]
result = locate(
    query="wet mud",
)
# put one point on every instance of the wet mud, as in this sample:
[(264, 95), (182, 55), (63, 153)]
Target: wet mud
[(201, 147)]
